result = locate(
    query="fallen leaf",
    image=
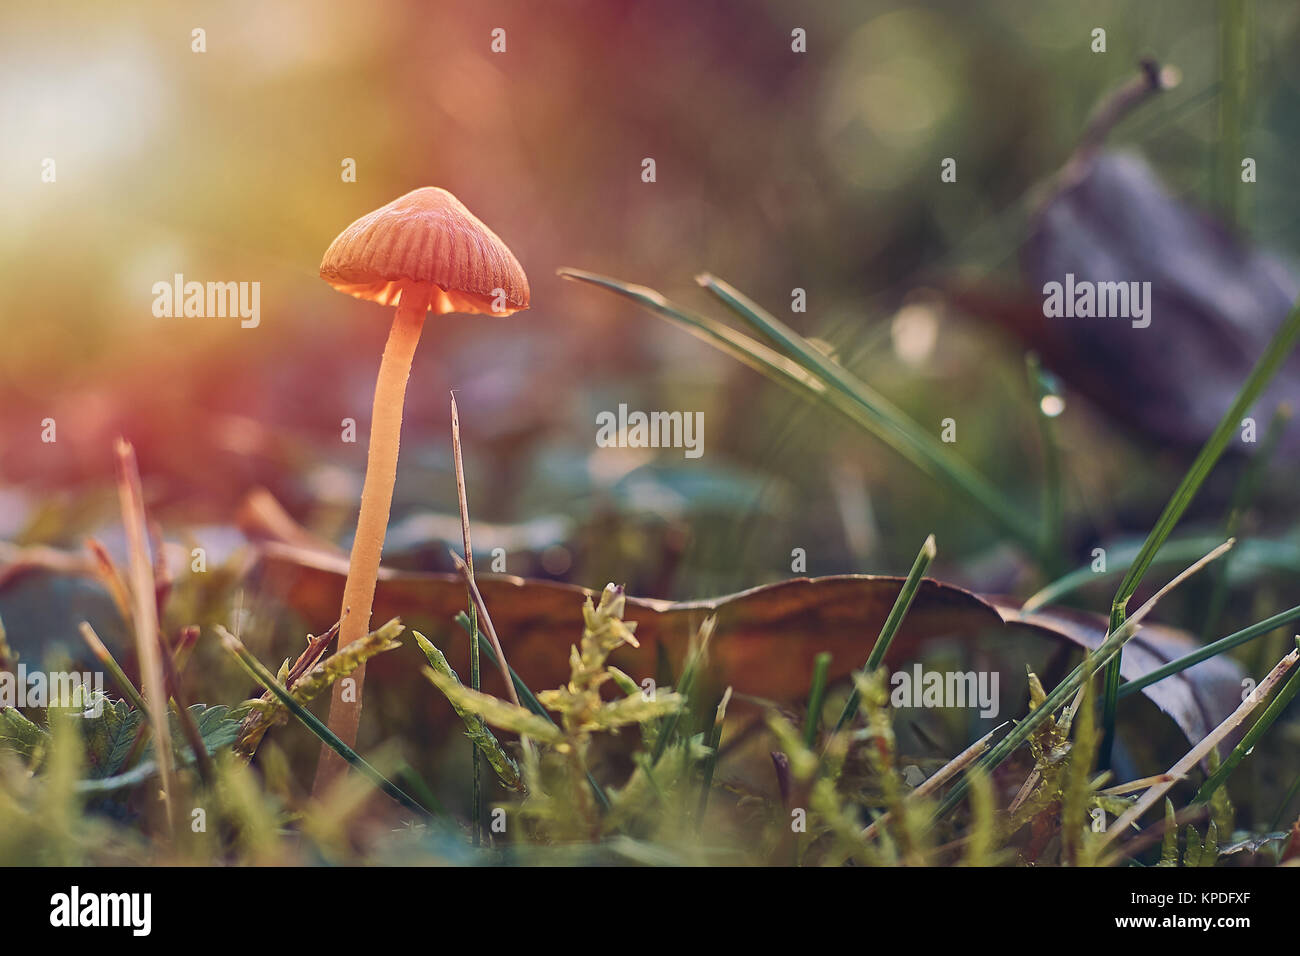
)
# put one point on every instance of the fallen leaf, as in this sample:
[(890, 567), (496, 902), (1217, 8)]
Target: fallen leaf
[(1198, 698), (766, 637), (1215, 302)]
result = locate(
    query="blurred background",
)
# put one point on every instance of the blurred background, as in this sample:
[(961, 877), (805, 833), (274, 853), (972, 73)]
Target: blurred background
[(775, 170)]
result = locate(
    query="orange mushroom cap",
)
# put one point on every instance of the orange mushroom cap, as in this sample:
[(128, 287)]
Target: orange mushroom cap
[(427, 237)]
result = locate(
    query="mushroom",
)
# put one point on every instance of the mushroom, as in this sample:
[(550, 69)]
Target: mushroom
[(423, 252)]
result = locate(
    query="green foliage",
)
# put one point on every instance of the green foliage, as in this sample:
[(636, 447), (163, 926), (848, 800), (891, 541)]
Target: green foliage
[(498, 713), (799, 365), (1169, 842), (560, 804), (268, 711), (111, 740), (258, 671), (889, 630), (78, 791), (1275, 354), (63, 784), (8, 658), (503, 764), (20, 736), (1201, 852), (1062, 785)]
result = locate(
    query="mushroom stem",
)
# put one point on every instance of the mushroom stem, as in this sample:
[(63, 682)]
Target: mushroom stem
[(372, 523)]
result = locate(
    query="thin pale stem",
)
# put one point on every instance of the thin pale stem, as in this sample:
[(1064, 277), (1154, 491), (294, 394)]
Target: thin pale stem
[(372, 523)]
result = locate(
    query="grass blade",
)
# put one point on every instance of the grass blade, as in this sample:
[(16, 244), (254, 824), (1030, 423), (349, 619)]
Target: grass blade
[(1210, 650), (476, 786), (1276, 555), (750, 352), (144, 615), (1267, 366), (1070, 686), (1236, 31), (714, 741), (1271, 713), (855, 401), (1198, 753), (1241, 497), (258, 671), (106, 658), (889, 423), (529, 700), (498, 654), (816, 698), (890, 628), (689, 675)]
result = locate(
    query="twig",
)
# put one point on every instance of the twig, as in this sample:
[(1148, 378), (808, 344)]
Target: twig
[(145, 607), (17, 560), (941, 776), (1202, 749), (1122, 788), (468, 574), (202, 760), (106, 658), (1247, 743), (1025, 790), (1155, 832), (106, 570), (258, 671), (1149, 81), (1077, 677), (476, 811)]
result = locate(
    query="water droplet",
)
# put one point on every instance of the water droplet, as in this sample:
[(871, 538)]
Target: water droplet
[(1052, 405)]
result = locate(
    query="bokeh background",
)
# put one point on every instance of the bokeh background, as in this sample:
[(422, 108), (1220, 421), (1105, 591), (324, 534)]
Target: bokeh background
[(775, 170)]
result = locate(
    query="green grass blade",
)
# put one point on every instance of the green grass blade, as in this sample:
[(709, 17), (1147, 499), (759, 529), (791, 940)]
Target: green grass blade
[(690, 672), (105, 657), (1272, 712), (1070, 686), (890, 628), (1267, 366), (851, 398), (1264, 553), (816, 698), (714, 740), (258, 671), (528, 700), (757, 356), (1210, 650), (1241, 497), (1236, 32), (890, 423)]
